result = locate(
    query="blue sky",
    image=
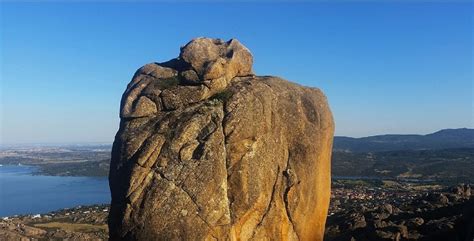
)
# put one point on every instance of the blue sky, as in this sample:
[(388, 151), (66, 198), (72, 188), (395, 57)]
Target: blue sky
[(392, 67)]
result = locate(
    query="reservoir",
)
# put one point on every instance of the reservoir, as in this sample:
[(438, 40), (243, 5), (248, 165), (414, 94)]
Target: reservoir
[(24, 193)]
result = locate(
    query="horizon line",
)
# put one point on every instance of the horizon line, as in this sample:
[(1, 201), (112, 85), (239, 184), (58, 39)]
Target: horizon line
[(111, 142)]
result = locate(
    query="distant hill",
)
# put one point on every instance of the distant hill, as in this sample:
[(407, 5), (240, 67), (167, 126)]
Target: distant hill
[(89, 168), (443, 139), (442, 165)]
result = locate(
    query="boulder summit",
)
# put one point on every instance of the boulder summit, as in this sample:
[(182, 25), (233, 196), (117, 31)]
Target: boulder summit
[(206, 150)]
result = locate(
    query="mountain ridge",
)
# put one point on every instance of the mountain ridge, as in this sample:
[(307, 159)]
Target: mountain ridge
[(442, 139)]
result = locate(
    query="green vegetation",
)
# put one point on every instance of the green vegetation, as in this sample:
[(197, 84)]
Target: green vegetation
[(88, 168), (223, 96), (350, 183), (167, 83), (449, 165), (74, 227)]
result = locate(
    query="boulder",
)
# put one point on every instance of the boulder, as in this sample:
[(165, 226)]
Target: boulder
[(357, 220), (386, 208), (438, 199), (208, 151), (462, 191), (415, 222)]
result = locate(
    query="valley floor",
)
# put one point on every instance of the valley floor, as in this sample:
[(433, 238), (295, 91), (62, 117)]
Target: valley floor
[(80, 223)]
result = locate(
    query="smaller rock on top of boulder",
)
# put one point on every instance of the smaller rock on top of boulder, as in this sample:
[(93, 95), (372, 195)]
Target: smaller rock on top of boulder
[(215, 58)]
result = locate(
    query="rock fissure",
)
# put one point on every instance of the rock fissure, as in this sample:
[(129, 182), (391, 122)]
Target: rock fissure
[(162, 175), (193, 200), (226, 163), (289, 185), (272, 198)]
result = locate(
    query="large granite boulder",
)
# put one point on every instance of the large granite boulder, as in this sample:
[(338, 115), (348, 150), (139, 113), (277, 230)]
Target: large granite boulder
[(208, 151)]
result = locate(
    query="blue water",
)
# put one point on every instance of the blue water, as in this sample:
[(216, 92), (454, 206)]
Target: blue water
[(24, 193)]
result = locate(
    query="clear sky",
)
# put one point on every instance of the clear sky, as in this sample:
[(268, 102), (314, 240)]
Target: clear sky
[(392, 67)]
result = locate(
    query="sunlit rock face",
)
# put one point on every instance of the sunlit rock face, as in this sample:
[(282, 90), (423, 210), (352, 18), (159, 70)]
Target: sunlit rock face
[(206, 150)]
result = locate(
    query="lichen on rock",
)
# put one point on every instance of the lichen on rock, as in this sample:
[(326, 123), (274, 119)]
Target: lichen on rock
[(206, 150)]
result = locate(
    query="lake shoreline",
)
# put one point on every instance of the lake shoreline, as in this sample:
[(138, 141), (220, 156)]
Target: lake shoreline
[(24, 192)]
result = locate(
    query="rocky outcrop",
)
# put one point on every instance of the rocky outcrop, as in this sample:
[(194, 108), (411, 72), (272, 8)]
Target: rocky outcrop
[(208, 151), (434, 216)]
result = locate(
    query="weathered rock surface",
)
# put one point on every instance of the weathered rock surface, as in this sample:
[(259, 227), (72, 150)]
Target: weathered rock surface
[(208, 151)]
